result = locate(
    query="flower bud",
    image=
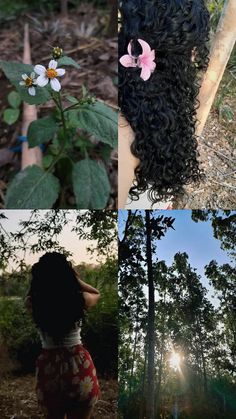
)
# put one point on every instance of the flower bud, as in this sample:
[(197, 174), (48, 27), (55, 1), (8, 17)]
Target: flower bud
[(57, 53)]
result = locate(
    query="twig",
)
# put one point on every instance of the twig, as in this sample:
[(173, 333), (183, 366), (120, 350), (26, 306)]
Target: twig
[(219, 152), (80, 48), (223, 184)]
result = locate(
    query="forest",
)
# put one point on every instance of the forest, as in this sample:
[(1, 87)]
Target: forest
[(177, 347), (37, 232)]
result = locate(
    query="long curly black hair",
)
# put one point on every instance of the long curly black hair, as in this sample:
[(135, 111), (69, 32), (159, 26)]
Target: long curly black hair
[(162, 110), (57, 299)]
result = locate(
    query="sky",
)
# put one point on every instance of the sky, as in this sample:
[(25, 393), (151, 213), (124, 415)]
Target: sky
[(196, 239), (67, 239)]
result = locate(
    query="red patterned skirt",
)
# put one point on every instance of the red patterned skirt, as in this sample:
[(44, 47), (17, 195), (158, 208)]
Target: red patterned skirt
[(66, 379)]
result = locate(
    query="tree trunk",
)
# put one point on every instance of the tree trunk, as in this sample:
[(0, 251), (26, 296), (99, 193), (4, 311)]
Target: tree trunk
[(141, 412), (203, 358), (223, 45), (64, 8), (151, 323), (29, 156), (161, 359), (113, 27), (133, 360)]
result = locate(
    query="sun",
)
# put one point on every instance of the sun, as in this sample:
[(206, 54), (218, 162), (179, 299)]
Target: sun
[(175, 360)]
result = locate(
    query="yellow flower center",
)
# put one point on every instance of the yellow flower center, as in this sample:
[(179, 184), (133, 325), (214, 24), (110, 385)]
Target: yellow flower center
[(28, 82), (51, 73)]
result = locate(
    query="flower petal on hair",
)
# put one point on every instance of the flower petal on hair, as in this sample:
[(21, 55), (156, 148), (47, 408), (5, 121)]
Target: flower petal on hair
[(145, 73), (129, 49), (127, 61), (145, 46)]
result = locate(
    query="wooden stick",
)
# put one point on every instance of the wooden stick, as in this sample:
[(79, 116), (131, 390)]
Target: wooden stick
[(222, 47), (29, 156)]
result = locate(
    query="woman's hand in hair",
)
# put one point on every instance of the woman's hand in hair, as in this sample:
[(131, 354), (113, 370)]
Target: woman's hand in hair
[(87, 287), (91, 299)]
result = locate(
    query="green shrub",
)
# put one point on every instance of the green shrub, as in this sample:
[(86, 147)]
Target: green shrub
[(18, 333)]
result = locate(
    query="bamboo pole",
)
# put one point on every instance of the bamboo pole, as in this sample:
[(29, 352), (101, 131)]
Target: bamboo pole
[(33, 155), (221, 50)]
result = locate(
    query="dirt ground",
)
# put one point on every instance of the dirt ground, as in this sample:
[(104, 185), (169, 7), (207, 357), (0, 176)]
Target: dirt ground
[(18, 400), (83, 37), (217, 148)]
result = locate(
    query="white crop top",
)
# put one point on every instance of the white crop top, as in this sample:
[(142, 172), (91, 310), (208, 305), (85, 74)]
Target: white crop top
[(71, 339)]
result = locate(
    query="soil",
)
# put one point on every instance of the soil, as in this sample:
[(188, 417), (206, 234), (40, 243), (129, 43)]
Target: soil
[(83, 37), (18, 400), (217, 148)]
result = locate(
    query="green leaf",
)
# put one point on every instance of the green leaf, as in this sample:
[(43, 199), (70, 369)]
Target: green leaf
[(32, 189), (72, 99), (14, 99), (47, 160), (99, 120), (13, 71), (91, 184), (10, 115), (41, 131), (68, 61)]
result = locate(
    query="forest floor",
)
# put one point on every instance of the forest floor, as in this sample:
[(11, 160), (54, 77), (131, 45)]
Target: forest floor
[(83, 37), (217, 155), (18, 399)]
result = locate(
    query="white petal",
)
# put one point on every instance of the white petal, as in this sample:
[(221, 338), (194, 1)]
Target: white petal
[(55, 85), (42, 80), (40, 69), (32, 91), (32, 75), (24, 76), (52, 64), (22, 83), (60, 71)]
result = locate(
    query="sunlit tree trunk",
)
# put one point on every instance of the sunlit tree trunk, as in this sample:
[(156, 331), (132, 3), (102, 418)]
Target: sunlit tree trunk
[(162, 350), (223, 45), (133, 360), (151, 323), (202, 357)]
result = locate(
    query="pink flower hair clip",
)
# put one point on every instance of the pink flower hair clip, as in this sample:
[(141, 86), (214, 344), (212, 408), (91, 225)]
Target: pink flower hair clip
[(145, 61)]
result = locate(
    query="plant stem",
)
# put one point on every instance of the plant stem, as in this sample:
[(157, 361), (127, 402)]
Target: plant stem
[(59, 105)]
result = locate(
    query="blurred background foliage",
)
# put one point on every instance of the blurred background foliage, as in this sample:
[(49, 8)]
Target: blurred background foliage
[(10, 9), (19, 341)]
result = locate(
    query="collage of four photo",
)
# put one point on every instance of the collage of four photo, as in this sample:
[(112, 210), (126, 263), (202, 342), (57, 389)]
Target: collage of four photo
[(118, 209)]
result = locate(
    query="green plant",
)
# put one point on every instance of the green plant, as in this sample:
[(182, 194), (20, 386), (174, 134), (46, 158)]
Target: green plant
[(71, 133), (11, 115), (17, 332)]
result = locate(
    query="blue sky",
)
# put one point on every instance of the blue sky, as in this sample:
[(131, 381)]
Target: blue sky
[(196, 239)]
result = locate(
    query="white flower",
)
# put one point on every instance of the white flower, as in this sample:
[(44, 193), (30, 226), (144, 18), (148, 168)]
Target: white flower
[(50, 74), (29, 81), (86, 386)]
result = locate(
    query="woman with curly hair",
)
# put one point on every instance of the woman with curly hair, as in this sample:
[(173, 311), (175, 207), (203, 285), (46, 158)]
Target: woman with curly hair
[(66, 381), (162, 48)]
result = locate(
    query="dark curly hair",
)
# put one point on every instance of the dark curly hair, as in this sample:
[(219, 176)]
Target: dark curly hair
[(162, 110), (57, 299)]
